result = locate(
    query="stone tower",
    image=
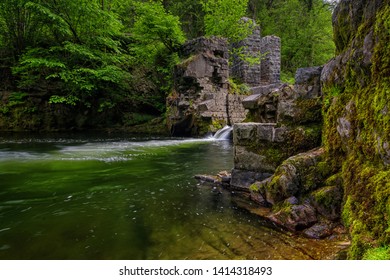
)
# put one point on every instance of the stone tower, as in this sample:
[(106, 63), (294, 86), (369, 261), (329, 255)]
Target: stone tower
[(266, 49)]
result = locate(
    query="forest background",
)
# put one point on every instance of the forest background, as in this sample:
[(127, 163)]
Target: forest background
[(118, 55)]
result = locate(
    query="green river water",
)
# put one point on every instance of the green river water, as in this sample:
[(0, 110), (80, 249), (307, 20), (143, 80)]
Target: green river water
[(106, 197)]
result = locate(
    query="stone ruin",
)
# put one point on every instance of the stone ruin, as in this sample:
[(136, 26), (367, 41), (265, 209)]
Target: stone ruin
[(202, 100), (284, 120), (276, 160), (267, 50)]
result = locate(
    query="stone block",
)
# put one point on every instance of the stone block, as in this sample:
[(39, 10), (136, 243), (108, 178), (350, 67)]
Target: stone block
[(250, 102), (244, 133), (265, 132), (280, 134)]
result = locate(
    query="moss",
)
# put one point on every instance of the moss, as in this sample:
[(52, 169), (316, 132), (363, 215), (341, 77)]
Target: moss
[(202, 126), (254, 115), (284, 207), (217, 124), (254, 188), (346, 213), (367, 191), (238, 87), (358, 160), (187, 61), (327, 197), (334, 179), (309, 110), (303, 138), (274, 154), (381, 253)]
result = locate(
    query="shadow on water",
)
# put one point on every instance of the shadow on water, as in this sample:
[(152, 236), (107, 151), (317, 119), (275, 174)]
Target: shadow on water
[(115, 197)]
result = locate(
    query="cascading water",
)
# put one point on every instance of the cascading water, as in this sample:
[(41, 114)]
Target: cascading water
[(223, 134)]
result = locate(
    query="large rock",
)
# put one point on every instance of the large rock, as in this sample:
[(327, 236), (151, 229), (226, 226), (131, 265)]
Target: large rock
[(292, 177), (295, 217), (245, 159)]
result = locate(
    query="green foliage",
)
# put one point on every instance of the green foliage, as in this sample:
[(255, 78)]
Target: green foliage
[(85, 58), (157, 37), (190, 13), (223, 18), (119, 54), (237, 87), (136, 118), (154, 30), (287, 77), (306, 33)]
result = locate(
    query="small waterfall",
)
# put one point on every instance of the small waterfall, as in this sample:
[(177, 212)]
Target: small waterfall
[(223, 133)]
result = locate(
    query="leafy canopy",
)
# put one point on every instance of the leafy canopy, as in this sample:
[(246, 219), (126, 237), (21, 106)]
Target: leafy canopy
[(223, 18)]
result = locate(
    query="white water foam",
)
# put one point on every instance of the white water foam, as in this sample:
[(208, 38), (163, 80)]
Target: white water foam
[(223, 134)]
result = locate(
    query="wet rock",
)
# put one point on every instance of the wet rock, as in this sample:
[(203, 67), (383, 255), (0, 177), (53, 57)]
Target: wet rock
[(257, 192), (295, 217), (243, 179), (208, 178), (258, 198), (225, 177), (319, 231)]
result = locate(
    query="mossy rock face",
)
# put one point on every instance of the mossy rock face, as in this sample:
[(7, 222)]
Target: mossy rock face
[(356, 135), (327, 201)]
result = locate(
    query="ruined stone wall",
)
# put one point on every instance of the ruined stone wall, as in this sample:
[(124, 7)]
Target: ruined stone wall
[(267, 50), (277, 161), (241, 69), (286, 120), (270, 64), (201, 102)]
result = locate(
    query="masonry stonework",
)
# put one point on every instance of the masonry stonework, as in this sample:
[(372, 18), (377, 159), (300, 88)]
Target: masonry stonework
[(200, 101)]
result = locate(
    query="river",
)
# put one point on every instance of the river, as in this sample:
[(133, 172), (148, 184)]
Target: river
[(117, 197)]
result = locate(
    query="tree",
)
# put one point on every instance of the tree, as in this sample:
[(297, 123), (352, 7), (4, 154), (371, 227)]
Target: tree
[(81, 58), (223, 18), (19, 27), (191, 15), (157, 38), (305, 28)]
